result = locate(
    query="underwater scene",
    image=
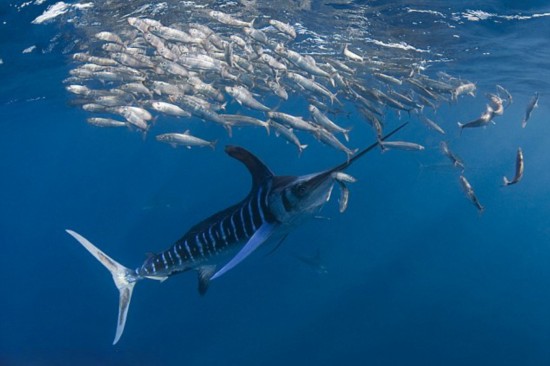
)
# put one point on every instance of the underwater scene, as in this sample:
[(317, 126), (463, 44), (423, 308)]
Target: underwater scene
[(296, 182)]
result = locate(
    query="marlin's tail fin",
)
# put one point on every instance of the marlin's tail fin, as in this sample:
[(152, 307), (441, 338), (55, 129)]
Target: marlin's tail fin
[(125, 280)]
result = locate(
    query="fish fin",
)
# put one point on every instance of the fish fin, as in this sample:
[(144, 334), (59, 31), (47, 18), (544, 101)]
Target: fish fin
[(301, 149), (205, 273), (186, 132), (259, 237), (256, 167), (346, 133), (125, 279)]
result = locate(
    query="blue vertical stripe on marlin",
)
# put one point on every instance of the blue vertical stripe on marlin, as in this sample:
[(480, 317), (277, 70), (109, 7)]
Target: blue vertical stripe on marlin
[(275, 204)]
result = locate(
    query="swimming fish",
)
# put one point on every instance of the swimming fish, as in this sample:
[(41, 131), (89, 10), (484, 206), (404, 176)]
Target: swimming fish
[(519, 169), (273, 207), (457, 162), (467, 187), (185, 139), (533, 103)]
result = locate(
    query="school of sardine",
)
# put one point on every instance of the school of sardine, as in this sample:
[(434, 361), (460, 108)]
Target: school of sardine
[(148, 69)]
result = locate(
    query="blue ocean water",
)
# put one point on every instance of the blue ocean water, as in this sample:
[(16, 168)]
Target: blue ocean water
[(415, 275)]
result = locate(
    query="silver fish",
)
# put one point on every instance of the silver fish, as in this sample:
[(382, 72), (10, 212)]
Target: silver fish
[(466, 88), (387, 78), (506, 94), (109, 37), (311, 85), (279, 90), (256, 35), (229, 20), (84, 57), (283, 28), (294, 122), (105, 122), (400, 145), (237, 119), (533, 103), (170, 109), (457, 162), (185, 139), (352, 56), (288, 134), (300, 61), (344, 177), (431, 124), (483, 120), (466, 186), (244, 97), (329, 139), (325, 122), (519, 169)]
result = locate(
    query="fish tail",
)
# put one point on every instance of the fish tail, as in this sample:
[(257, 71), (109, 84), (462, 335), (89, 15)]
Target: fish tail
[(213, 144), (346, 132), (301, 149), (505, 181), (125, 279)]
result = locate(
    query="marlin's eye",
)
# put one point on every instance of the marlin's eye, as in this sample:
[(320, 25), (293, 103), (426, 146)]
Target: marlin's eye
[(300, 189)]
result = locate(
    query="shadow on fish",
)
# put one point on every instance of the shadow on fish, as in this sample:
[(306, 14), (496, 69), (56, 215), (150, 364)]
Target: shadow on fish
[(274, 206)]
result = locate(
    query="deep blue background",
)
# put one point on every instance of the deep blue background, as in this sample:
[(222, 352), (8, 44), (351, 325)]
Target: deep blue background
[(415, 275)]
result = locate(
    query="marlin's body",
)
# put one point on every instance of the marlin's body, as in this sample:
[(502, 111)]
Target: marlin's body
[(274, 205)]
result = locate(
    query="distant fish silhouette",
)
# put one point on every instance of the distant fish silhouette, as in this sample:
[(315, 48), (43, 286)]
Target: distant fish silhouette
[(314, 262)]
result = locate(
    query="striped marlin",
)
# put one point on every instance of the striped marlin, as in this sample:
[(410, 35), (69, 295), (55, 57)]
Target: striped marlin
[(274, 205)]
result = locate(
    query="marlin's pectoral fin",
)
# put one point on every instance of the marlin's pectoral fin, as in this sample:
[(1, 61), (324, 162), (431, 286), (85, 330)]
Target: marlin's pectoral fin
[(259, 237), (205, 274)]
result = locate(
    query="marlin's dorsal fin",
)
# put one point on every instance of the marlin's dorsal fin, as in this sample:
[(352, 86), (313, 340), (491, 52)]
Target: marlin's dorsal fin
[(259, 171)]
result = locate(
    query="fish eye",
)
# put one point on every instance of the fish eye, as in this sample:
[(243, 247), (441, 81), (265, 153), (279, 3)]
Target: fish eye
[(300, 189)]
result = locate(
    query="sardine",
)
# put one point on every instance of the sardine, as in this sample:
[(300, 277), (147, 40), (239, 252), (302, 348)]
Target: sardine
[(457, 162), (288, 134), (295, 122), (470, 193), (108, 37), (283, 28), (400, 145), (329, 139), (185, 139), (238, 120), (229, 20), (170, 109), (244, 97), (312, 86), (431, 124), (483, 120), (326, 123), (351, 55), (533, 103), (519, 169), (105, 122)]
